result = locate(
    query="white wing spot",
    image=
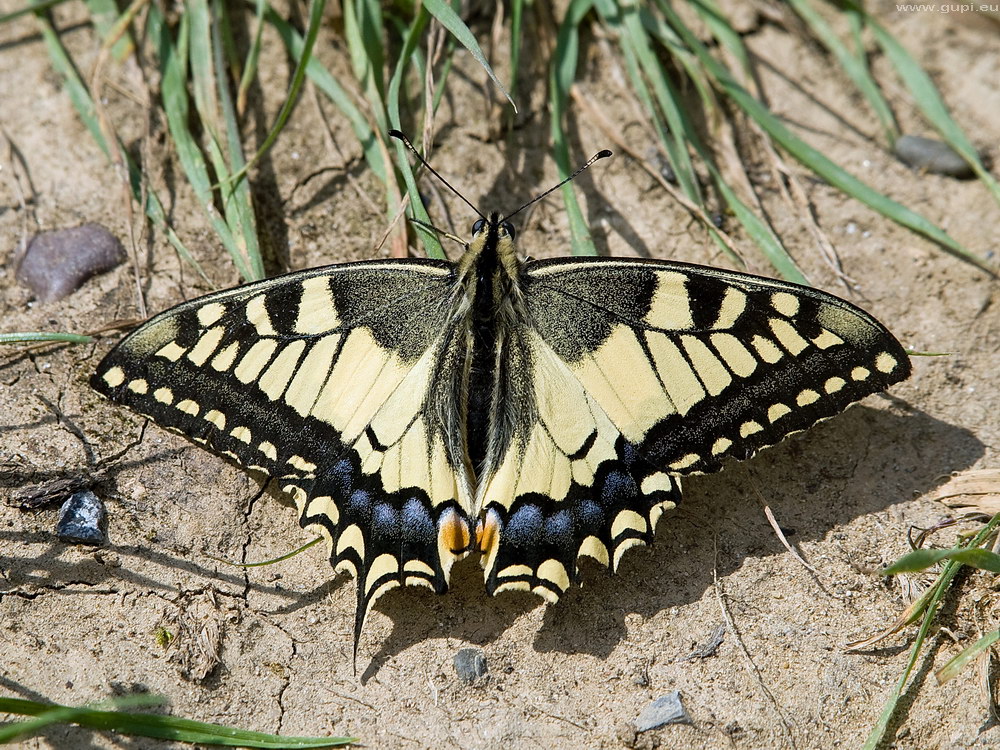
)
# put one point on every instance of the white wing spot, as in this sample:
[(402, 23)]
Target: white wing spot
[(721, 445), (242, 433), (217, 418), (189, 407), (750, 428), (860, 373), (689, 460), (300, 463), (114, 377), (211, 313), (885, 362), (206, 345), (658, 482), (827, 339), (766, 349), (627, 519), (139, 385), (268, 449), (257, 315), (554, 571), (171, 351), (735, 354), (787, 336), (785, 303), (734, 302), (670, 308), (164, 395), (806, 397), (834, 384), (224, 359), (776, 412), (317, 312)]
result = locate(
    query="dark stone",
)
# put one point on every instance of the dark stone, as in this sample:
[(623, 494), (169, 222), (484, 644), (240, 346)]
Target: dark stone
[(57, 263), (83, 520), (931, 155), (470, 665)]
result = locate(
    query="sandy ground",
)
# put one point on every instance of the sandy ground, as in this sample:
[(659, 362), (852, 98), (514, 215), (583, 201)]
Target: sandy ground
[(79, 624)]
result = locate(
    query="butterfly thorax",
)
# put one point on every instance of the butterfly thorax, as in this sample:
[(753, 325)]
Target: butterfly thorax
[(489, 271)]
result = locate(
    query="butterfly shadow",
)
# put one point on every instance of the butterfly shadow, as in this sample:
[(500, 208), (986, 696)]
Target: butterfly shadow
[(864, 462)]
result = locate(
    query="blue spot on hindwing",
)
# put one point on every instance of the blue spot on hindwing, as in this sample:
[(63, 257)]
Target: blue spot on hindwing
[(617, 489), (417, 526), (559, 529), (342, 477), (524, 527), (359, 506), (385, 521)]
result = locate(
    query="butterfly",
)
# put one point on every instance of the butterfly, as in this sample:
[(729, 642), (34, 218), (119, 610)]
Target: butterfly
[(537, 412)]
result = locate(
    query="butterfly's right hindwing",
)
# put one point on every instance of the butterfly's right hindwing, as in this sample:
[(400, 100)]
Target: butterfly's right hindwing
[(330, 381)]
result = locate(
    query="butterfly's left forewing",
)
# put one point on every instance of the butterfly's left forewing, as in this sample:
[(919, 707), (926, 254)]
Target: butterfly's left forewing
[(338, 382), (643, 371)]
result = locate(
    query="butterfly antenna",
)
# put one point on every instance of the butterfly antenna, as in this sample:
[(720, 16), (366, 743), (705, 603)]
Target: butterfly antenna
[(603, 154), (406, 142)]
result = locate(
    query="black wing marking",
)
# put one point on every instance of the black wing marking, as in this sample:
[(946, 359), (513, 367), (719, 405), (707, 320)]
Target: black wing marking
[(642, 371), (329, 380)]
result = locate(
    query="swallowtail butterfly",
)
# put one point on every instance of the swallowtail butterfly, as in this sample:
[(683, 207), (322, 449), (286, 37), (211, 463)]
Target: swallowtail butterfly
[(533, 411)]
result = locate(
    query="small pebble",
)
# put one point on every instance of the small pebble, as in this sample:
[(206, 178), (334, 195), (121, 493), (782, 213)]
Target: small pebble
[(931, 155), (470, 665), (83, 520), (57, 263), (667, 709)]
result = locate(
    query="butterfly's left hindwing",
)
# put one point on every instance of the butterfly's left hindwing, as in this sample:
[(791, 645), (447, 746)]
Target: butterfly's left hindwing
[(334, 382), (640, 372)]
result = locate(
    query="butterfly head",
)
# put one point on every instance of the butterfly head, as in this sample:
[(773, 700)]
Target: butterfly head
[(494, 225)]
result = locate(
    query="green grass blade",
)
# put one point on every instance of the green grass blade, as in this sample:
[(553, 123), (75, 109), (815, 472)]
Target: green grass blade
[(516, 30), (562, 73), (253, 56), (756, 227), (298, 78), (758, 230), (926, 96), (363, 32), (272, 561), (33, 337), (855, 66), (151, 725), (958, 662), (939, 589), (104, 15), (326, 83), (445, 16), (37, 8), (78, 93), (213, 104), (655, 91), (815, 160), (430, 242), (236, 196), (83, 104), (921, 559), (173, 66)]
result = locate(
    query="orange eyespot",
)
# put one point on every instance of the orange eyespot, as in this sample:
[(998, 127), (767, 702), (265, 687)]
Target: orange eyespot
[(453, 533), (487, 533)]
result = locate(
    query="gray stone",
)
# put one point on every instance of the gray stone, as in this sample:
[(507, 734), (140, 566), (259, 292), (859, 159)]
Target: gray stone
[(931, 155), (57, 263), (470, 665), (667, 709), (83, 520)]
